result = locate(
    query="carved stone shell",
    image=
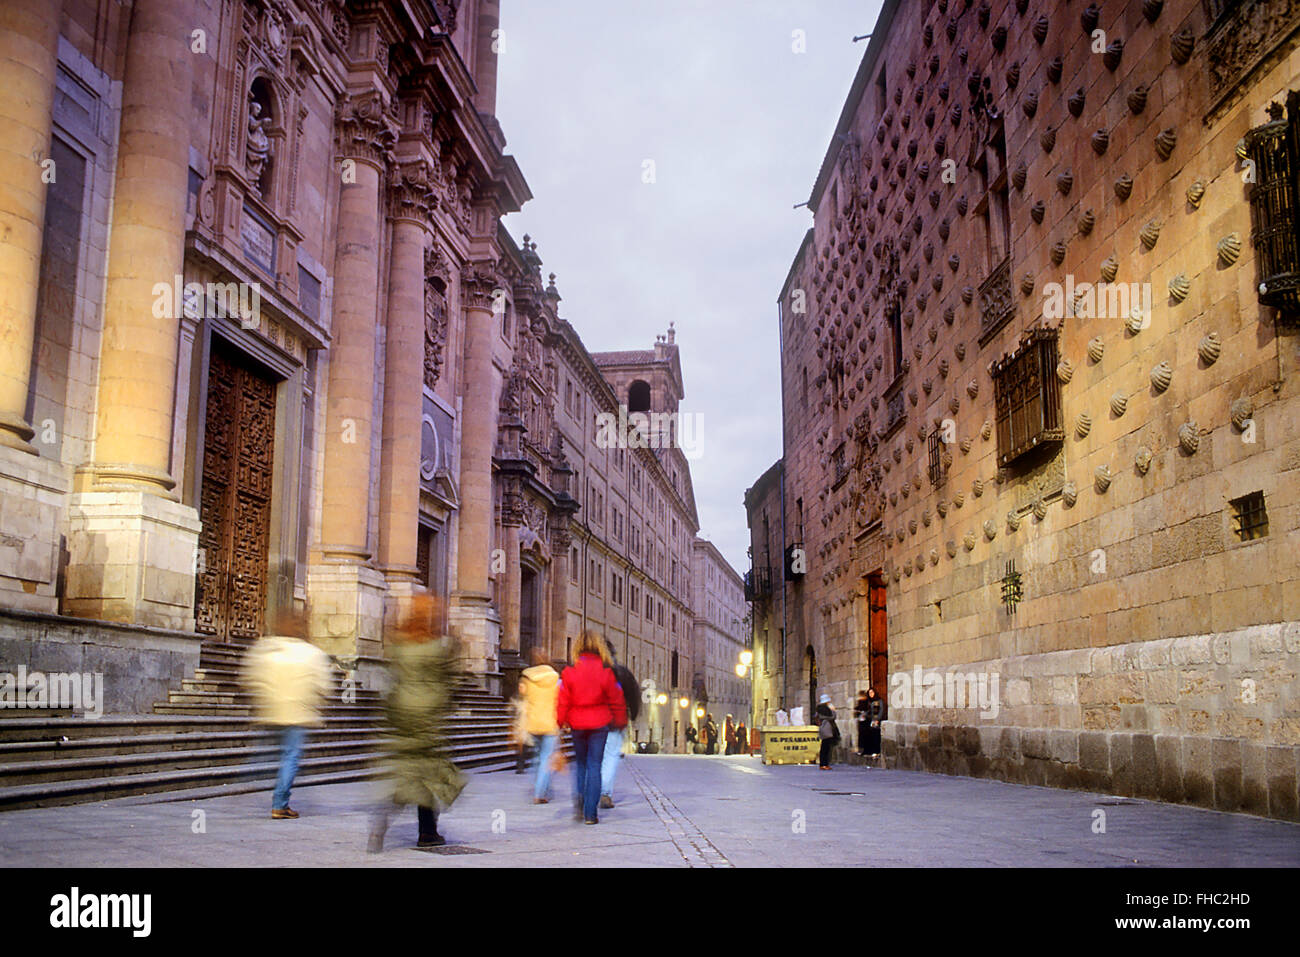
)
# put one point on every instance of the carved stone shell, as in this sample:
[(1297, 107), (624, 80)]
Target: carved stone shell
[(1069, 494), (1161, 376), (1027, 283), (1151, 9), (977, 487), (1135, 322), (990, 530), (1087, 219), (1124, 186), (941, 507), (1090, 17), (1019, 175), (1150, 234), (1118, 403), (1189, 437), (1065, 370), (1240, 412), (968, 540), (1058, 252), (1114, 53), (967, 294), (954, 404), (1166, 140), (1109, 268), (1195, 192), (1076, 102), (1030, 103), (1181, 46), (1040, 508), (1055, 68), (911, 526), (972, 388), (1047, 139), (1065, 182), (959, 499), (959, 350), (1041, 26), (1082, 425), (1209, 348), (949, 315), (951, 547), (1142, 460), (1096, 348), (1137, 99), (1229, 248), (1179, 287), (1100, 141), (965, 446), (1102, 478), (986, 430)]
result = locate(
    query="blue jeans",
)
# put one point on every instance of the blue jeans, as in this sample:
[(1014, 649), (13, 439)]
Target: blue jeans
[(542, 754), (291, 742), (588, 751), (613, 754)]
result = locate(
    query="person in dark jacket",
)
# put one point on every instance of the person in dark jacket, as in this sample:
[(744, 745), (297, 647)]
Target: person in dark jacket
[(862, 715), (692, 736), (710, 735), (729, 735), (827, 730), (876, 713), (614, 742), (590, 703), (742, 738)]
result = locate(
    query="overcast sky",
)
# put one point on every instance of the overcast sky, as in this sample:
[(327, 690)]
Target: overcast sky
[(736, 123)]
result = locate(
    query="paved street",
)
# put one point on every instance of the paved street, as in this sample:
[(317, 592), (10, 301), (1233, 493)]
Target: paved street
[(673, 811)]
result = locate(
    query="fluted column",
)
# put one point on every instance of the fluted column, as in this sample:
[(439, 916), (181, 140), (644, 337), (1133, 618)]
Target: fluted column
[(511, 598), (559, 604), (29, 44), (137, 362)]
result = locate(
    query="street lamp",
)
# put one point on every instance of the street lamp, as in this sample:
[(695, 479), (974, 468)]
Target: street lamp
[(746, 658), (682, 703), (662, 699), (699, 712), (740, 671)]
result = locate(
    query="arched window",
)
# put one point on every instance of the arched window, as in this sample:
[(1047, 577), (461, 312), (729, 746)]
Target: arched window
[(638, 396)]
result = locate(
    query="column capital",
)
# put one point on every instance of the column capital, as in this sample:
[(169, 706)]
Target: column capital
[(411, 196), (364, 130), (481, 285)]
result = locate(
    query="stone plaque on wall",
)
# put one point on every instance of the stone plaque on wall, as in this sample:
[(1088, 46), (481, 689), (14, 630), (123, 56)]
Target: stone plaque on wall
[(258, 240)]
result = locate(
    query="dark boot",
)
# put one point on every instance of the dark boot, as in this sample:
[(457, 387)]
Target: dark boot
[(429, 836)]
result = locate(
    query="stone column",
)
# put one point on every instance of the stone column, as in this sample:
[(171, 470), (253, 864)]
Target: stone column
[(132, 545), (471, 612), (510, 600), (29, 45), (409, 201), (559, 618), (346, 590)]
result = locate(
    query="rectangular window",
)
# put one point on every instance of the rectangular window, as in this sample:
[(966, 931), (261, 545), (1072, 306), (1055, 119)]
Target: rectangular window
[(940, 458), (1027, 397), (1249, 517)]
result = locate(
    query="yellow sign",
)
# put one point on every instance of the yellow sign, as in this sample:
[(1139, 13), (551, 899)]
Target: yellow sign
[(790, 744)]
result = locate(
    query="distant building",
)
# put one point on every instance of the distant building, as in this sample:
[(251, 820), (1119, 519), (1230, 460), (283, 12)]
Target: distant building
[(719, 632)]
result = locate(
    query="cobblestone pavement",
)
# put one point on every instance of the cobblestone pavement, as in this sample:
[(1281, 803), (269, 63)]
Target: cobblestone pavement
[(672, 811)]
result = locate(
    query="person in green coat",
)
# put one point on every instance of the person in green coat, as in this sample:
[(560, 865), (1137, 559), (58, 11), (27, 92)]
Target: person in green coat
[(416, 768)]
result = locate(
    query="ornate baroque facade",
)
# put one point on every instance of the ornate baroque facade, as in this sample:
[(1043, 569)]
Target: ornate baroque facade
[(319, 369), (1039, 366)]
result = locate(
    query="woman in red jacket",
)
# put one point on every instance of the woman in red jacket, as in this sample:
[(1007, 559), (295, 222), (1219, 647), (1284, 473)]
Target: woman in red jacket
[(590, 702)]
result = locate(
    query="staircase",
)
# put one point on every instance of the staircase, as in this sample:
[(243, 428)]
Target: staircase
[(201, 742)]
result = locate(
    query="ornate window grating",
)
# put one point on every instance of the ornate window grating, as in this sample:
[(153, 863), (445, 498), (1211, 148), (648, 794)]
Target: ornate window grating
[(1274, 200), (1249, 517), (1027, 396), (997, 305), (940, 458), (1013, 592)]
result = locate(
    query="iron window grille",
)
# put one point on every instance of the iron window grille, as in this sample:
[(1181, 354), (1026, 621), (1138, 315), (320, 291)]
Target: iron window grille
[(1249, 517), (1274, 150), (940, 458), (1027, 396)]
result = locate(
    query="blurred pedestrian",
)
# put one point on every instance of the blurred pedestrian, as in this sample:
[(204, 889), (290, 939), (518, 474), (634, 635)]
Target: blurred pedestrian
[(590, 703), (742, 738), (289, 678), (827, 729), (539, 691), (692, 738), (729, 735), (416, 767), (617, 736), (710, 735)]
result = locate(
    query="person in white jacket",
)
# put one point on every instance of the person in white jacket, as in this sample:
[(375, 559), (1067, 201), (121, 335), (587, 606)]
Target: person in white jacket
[(289, 678)]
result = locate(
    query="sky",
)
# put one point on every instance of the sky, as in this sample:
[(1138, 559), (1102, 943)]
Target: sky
[(666, 145)]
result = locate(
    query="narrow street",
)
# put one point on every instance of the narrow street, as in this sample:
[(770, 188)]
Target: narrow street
[(672, 811)]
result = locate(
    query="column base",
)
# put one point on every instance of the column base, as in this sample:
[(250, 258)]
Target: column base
[(33, 493), (473, 619), (402, 586), (346, 600), (131, 558)]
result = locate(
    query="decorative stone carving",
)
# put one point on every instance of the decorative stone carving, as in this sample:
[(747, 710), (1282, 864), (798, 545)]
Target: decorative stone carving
[(1124, 187), (1229, 249), (1241, 411), (1082, 425), (1096, 348), (1137, 100), (1150, 234), (1181, 45), (1039, 508), (1065, 370), (1055, 68), (1102, 478), (1058, 252), (1069, 494), (1109, 269), (1195, 193), (986, 431), (1166, 140), (1040, 28), (1142, 460), (1179, 287), (1151, 9), (1100, 142), (968, 541), (257, 151), (1075, 104), (1209, 348), (1065, 182), (1047, 139), (1114, 53), (364, 131), (1087, 220), (991, 529), (1118, 403), (1189, 437), (1161, 376)]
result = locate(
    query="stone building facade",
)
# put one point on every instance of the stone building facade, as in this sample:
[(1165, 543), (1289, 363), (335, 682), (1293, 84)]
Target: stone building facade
[(720, 632), (1039, 361), (268, 343)]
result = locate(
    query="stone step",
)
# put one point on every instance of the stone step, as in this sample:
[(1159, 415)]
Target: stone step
[(74, 728), (55, 748)]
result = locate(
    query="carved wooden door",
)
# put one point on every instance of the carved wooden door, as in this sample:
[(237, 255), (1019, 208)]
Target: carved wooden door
[(878, 638), (235, 502)]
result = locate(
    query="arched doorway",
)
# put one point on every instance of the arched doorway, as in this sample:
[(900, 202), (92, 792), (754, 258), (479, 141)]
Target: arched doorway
[(530, 610)]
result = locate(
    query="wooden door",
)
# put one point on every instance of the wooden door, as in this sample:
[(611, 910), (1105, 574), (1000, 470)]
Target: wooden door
[(879, 641), (235, 502)]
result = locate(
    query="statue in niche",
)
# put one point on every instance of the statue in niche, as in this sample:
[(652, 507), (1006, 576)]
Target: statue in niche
[(258, 151)]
